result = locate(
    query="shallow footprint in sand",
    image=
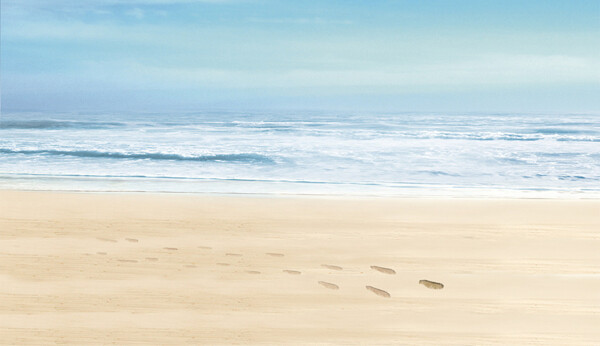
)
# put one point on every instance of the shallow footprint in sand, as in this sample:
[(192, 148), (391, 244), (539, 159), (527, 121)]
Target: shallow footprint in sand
[(329, 266), (233, 254), (132, 240), (432, 284), (101, 253), (170, 248), (274, 254), (127, 260), (223, 264), (190, 266), (378, 291), (384, 270), (252, 272), (293, 272), (107, 239), (153, 259), (329, 285)]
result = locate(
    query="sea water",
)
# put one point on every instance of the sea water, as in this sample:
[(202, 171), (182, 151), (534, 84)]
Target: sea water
[(302, 152)]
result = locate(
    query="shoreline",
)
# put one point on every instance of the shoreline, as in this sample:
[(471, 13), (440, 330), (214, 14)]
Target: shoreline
[(553, 195), (89, 268)]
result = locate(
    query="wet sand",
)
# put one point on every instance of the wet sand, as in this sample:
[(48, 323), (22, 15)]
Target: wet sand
[(82, 268)]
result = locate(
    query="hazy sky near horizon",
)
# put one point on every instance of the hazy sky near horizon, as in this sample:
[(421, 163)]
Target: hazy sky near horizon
[(144, 55)]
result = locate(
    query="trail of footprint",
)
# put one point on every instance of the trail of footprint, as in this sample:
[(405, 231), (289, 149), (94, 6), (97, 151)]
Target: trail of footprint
[(252, 272), (329, 266), (378, 291), (432, 284), (170, 248), (329, 285), (127, 260), (293, 272), (132, 240), (275, 254), (384, 270), (233, 254), (107, 239)]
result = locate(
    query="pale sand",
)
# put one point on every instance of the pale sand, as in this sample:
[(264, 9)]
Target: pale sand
[(514, 271)]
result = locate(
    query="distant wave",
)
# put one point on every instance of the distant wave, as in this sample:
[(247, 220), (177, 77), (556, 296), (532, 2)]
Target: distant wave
[(248, 158), (55, 124), (561, 136)]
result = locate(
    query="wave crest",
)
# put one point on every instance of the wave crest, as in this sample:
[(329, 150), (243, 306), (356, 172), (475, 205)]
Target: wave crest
[(55, 124), (243, 157)]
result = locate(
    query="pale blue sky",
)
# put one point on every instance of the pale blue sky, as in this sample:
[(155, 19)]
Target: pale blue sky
[(143, 55)]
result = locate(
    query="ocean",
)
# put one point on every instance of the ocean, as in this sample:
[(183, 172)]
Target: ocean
[(329, 153)]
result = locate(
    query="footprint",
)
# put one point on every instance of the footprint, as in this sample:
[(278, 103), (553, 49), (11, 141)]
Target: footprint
[(329, 266), (293, 272), (190, 266), (274, 254), (107, 239), (170, 248), (222, 264), (205, 247), (384, 270), (252, 272), (329, 285), (153, 259), (378, 292), (233, 254), (101, 253), (431, 284), (131, 240), (127, 261)]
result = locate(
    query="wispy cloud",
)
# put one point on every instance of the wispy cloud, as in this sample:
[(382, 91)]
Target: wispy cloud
[(137, 13), (98, 3), (490, 71), (306, 20)]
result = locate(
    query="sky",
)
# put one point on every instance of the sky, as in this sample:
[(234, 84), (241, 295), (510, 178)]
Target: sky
[(411, 55)]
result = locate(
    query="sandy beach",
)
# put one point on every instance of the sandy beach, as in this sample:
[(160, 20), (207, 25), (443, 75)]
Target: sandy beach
[(82, 268)]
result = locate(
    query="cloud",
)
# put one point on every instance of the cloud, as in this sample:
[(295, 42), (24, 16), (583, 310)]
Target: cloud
[(137, 13), (99, 3), (485, 73), (312, 20)]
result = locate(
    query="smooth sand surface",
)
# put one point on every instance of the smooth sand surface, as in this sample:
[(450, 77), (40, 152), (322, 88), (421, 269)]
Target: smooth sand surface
[(181, 269)]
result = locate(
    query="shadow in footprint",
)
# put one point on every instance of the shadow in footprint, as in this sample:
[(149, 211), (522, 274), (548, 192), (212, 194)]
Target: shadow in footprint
[(170, 248), (378, 291), (233, 254), (329, 285), (132, 240), (252, 272), (384, 270), (432, 284), (329, 266), (293, 272)]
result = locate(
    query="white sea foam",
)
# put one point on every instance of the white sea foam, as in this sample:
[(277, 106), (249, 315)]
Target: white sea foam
[(296, 153)]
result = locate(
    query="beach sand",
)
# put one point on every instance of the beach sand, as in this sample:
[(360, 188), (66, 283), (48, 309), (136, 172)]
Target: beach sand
[(82, 268)]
